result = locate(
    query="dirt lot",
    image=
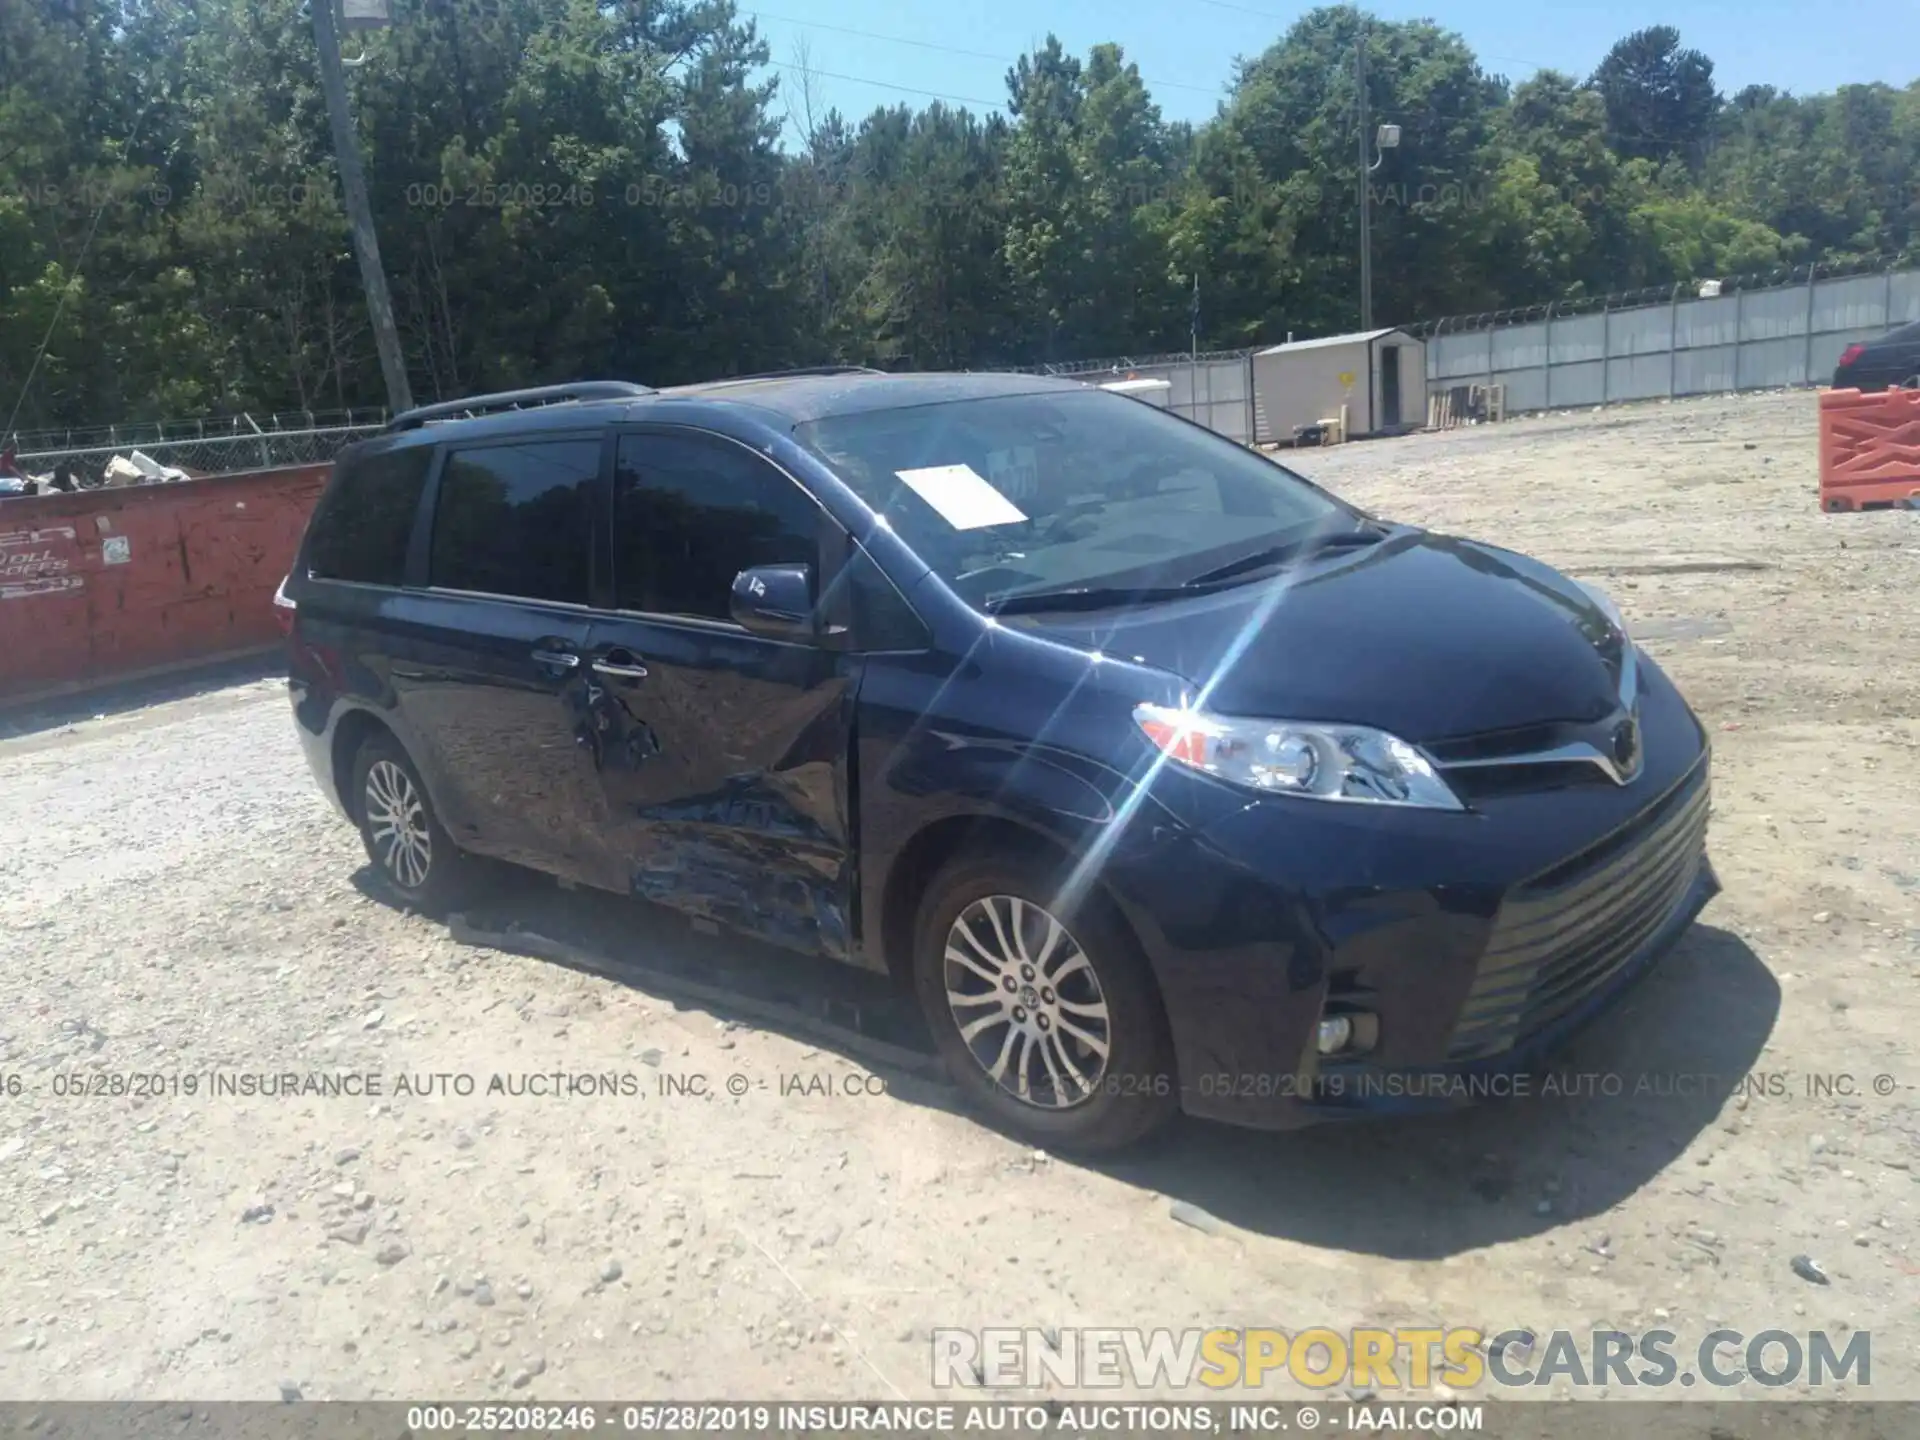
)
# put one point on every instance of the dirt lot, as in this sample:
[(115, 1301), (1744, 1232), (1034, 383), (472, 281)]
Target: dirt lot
[(175, 899)]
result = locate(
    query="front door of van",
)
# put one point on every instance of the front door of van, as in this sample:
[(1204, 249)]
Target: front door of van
[(721, 755), (491, 678)]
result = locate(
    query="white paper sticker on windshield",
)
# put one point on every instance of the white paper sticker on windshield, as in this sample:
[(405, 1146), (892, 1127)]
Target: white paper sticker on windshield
[(964, 500)]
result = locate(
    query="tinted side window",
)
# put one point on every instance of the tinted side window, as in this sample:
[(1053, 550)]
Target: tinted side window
[(363, 529), (517, 520), (691, 513)]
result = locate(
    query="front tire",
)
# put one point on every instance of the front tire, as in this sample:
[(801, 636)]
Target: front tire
[(416, 858), (1045, 1013)]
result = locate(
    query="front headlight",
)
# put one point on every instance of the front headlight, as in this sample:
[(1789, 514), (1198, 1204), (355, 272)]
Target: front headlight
[(1607, 608), (1311, 759)]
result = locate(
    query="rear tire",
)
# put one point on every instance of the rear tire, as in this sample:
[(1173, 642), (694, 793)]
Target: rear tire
[(409, 847), (1046, 1015)]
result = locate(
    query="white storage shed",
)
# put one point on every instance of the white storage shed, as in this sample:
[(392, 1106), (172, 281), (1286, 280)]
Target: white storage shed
[(1379, 375)]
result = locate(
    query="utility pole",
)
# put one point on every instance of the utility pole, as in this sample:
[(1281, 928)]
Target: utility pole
[(1366, 198), (1193, 342), (353, 190), (1193, 320)]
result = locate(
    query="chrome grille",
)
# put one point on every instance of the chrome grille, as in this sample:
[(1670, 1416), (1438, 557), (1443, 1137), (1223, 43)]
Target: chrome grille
[(1564, 934)]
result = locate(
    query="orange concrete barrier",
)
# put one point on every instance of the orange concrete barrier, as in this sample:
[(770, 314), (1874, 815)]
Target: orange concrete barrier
[(1869, 449), (104, 585)]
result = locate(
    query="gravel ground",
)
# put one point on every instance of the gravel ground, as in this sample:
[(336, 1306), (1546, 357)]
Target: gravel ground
[(177, 900)]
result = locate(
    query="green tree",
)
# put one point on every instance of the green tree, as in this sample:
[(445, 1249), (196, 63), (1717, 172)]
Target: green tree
[(1660, 98), (1292, 114), (582, 187)]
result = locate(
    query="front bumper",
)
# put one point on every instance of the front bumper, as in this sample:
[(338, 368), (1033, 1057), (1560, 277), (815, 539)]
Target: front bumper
[(1481, 974), (1338, 1091)]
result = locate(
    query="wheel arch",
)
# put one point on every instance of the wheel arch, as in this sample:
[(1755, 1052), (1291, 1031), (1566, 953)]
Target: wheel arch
[(350, 735), (941, 842)]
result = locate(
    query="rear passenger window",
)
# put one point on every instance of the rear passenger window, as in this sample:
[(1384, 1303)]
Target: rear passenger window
[(363, 529), (517, 520)]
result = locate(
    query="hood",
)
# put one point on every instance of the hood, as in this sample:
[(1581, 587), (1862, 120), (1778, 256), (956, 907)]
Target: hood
[(1426, 636)]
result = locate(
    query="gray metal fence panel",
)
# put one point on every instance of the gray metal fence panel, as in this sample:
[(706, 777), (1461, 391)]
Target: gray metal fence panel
[(1578, 338), (1647, 331), (1228, 420), (1700, 323), (1688, 345), (1581, 384), (1683, 345), (1704, 371), (1230, 399), (1455, 357), (1636, 377), (1906, 299), (1770, 364), (1526, 389), (1772, 314), (1212, 392), (1519, 347), (1185, 384), (1857, 303)]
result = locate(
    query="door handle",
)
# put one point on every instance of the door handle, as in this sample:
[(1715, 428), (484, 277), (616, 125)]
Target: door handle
[(560, 659), (635, 671)]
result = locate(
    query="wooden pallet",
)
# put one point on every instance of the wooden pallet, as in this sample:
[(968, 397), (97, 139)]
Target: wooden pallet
[(1467, 404)]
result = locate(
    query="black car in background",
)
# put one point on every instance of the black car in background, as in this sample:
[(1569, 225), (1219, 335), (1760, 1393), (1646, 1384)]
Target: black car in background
[(1164, 778), (1892, 360)]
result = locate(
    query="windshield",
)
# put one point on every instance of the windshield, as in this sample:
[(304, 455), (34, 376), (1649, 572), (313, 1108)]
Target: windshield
[(1017, 493)]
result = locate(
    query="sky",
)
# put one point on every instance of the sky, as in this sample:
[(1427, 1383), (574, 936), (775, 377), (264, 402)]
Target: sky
[(857, 50)]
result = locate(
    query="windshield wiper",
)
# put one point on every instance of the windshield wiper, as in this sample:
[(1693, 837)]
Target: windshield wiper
[(1081, 597), (1102, 597), (1274, 554)]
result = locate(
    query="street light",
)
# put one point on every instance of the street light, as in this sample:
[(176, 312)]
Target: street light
[(365, 14), (1388, 138)]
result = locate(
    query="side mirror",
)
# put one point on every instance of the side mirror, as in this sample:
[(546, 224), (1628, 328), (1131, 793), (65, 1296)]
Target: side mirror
[(775, 601)]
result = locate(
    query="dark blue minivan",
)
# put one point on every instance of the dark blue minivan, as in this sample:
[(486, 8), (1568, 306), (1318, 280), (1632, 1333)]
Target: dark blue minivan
[(1165, 779)]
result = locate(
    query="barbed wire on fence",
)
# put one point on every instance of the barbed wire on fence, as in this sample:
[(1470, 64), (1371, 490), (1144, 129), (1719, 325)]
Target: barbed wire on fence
[(1123, 363), (212, 454), (147, 433)]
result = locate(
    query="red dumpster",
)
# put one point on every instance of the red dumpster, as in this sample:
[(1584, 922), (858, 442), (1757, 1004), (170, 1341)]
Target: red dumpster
[(98, 586)]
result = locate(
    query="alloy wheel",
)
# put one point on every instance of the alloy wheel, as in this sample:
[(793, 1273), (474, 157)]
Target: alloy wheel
[(1028, 1002), (397, 824)]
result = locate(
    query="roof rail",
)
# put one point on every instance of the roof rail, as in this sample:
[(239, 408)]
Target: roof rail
[(474, 405), (803, 370)]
